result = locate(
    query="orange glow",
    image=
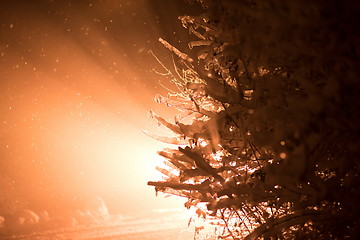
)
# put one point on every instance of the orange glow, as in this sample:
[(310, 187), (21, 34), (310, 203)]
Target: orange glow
[(74, 98)]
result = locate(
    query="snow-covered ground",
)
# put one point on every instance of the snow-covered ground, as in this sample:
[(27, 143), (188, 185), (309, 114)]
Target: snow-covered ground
[(155, 225)]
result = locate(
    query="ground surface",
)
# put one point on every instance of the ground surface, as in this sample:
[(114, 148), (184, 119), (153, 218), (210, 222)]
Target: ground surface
[(160, 226), (107, 233)]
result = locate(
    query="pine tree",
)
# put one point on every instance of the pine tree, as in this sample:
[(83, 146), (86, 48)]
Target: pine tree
[(268, 123)]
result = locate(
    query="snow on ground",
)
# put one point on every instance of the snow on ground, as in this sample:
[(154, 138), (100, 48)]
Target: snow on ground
[(154, 225)]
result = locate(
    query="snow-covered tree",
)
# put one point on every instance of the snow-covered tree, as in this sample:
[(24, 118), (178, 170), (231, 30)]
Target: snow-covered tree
[(268, 124)]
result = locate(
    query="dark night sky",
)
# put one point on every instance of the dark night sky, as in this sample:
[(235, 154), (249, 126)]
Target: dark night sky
[(76, 85)]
